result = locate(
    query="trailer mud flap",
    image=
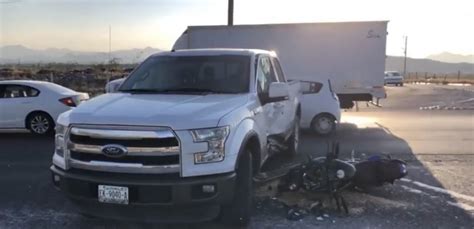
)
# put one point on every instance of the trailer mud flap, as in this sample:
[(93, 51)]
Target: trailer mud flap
[(347, 100)]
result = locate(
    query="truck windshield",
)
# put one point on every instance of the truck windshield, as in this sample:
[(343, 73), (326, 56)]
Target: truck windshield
[(190, 74)]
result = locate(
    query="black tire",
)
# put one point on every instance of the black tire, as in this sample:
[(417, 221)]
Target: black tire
[(40, 123), (294, 141), (401, 85), (238, 213), (323, 124)]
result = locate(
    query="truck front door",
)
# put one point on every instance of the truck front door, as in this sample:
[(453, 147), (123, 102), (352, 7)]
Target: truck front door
[(289, 107), (271, 111)]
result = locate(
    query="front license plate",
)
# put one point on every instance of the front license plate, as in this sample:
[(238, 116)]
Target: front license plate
[(113, 194)]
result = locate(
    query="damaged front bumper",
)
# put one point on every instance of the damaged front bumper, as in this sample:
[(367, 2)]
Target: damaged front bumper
[(154, 198)]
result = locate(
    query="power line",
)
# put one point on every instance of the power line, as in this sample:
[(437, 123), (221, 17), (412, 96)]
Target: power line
[(110, 43)]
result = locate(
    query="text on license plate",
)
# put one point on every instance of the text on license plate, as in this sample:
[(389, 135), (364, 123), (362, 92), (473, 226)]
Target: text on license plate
[(113, 194)]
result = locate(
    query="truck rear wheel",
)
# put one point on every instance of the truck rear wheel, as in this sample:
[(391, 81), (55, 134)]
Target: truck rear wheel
[(239, 211)]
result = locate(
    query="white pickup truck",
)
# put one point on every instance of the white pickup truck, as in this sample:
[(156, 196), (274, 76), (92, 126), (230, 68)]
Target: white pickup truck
[(181, 139)]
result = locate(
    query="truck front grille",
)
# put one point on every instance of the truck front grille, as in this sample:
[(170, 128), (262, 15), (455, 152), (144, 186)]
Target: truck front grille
[(144, 160), (148, 149), (145, 142)]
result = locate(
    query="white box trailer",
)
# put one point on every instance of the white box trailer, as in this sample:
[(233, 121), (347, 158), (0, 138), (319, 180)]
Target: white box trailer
[(350, 54)]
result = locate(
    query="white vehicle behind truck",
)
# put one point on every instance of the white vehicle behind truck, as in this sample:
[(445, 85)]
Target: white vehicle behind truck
[(350, 54), (320, 112), (181, 139)]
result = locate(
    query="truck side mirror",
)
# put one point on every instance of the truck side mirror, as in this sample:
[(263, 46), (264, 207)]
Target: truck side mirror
[(278, 92)]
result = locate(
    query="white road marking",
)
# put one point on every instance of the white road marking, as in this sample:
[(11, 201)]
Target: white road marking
[(461, 205), (413, 190), (439, 190), (465, 100)]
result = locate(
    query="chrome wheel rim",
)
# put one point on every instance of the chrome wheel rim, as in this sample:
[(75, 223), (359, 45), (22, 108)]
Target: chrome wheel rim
[(39, 124)]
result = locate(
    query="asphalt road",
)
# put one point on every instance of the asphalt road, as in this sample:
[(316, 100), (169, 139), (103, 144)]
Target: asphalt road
[(437, 143)]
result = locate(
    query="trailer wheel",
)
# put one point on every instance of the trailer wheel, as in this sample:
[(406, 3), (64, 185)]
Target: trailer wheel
[(239, 211), (323, 124)]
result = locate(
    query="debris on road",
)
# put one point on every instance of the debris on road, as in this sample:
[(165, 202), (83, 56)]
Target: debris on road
[(296, 214), (329, 176)]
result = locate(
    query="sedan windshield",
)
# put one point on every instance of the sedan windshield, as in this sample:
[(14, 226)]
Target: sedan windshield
[(190, 74)]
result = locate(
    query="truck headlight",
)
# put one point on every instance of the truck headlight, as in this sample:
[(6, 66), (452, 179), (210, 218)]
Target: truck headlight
[(59, 140), (215, 137)]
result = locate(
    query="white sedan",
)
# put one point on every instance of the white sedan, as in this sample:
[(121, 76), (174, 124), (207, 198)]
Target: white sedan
[(320, 108), (35, 105)]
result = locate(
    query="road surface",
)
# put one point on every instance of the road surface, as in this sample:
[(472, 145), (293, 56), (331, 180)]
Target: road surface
[(429, 126)]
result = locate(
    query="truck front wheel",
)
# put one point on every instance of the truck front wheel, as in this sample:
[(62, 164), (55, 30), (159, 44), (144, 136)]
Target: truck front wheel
[(239, 211)]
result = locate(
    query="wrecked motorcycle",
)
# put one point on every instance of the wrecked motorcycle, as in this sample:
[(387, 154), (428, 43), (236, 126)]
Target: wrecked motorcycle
[(331, 175)]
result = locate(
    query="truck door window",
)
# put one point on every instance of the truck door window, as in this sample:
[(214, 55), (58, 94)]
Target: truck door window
[(264, 75), (279, 71)]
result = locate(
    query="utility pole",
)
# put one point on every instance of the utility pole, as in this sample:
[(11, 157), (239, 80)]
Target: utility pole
[(110, 42), (405, 52), (230, 13), (110, 52)]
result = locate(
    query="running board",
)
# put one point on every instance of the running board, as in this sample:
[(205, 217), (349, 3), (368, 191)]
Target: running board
[(267, 176)]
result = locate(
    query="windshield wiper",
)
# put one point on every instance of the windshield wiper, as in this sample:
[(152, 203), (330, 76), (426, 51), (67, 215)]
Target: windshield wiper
[(141, 90), (171, 90), (197, 90)]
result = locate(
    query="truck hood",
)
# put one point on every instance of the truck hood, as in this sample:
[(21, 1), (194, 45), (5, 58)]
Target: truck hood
[(176, 111)]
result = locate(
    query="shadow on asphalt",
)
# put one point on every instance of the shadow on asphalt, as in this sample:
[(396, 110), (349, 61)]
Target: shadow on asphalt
[(405, 206)]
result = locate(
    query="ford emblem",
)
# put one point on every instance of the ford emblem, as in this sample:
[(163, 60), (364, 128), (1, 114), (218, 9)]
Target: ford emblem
[(114, 150)]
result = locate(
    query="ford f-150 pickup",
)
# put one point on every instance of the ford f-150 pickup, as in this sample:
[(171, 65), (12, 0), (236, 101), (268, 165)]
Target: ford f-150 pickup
[(186, 131)]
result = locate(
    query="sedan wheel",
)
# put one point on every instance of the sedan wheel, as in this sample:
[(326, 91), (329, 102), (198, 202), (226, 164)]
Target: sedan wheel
[(323, 124), (40, 124)]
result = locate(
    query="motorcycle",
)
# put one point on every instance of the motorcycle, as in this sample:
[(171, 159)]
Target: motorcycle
[(331, 175)]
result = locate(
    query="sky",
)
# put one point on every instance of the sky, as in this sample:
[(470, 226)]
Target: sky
[(432, 26)]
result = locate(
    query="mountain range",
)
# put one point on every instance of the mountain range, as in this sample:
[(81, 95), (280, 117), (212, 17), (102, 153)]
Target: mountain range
[(20, 54), (395, 63), (452, 58), (440, 63)]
